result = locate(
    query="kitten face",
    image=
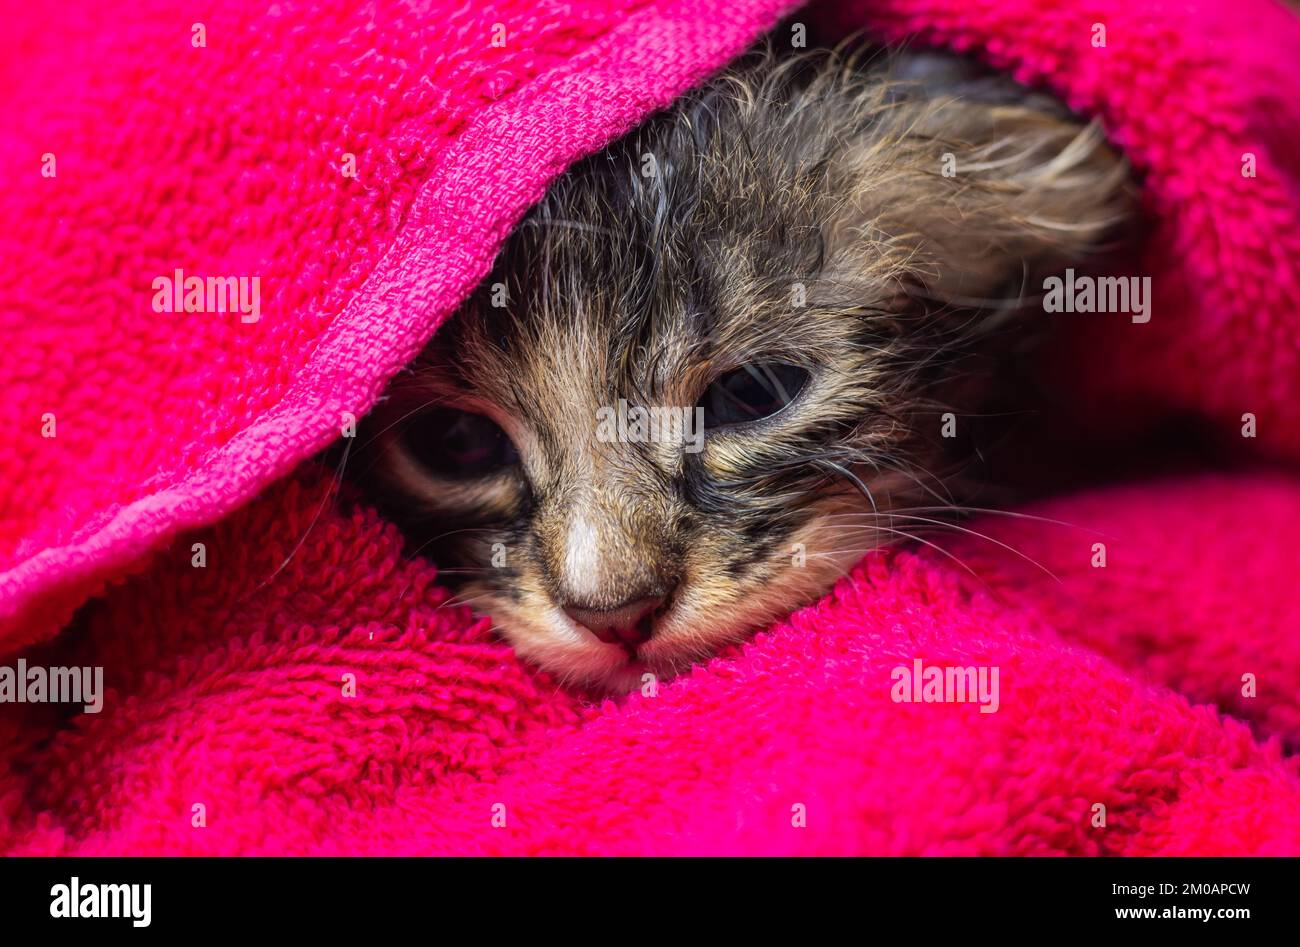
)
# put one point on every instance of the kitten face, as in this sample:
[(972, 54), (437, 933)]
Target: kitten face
[(766, 257)]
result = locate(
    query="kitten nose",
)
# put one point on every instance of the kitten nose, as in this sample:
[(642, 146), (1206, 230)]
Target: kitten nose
[(627, 624)]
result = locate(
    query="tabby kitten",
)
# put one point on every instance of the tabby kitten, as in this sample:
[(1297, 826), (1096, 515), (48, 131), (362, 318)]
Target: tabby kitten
[(794, 256)]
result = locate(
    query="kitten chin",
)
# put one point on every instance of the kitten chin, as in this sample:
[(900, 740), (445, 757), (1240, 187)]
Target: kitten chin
[(783, 254)]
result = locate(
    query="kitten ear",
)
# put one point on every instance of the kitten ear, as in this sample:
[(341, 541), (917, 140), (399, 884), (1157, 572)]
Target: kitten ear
[(975, 199)]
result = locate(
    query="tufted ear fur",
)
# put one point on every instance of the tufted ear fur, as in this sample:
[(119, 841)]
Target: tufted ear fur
[(981, 185)]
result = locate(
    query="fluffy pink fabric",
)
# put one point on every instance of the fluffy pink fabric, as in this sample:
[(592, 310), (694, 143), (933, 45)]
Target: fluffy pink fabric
[(225, 683), (227, 692)]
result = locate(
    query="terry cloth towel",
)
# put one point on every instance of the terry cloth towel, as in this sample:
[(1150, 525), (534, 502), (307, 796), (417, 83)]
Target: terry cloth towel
[(364, 163)]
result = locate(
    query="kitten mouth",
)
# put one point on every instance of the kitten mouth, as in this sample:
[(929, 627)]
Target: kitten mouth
[(633, 637)]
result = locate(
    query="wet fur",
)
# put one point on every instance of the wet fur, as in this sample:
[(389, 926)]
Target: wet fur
[(820, 176)]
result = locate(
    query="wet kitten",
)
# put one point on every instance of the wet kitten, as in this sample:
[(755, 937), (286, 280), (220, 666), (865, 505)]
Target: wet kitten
[(793, 254)]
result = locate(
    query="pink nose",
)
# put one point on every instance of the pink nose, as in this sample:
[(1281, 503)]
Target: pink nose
[(628, 624)]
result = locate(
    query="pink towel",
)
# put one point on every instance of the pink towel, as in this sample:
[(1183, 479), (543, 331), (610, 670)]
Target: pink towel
[(138, 142)]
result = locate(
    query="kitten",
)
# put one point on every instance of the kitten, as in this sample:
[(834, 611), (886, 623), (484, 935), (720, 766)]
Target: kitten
[(796, 254)]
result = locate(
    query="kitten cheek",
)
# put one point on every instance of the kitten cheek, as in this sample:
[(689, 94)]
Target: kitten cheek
[(800, 571)]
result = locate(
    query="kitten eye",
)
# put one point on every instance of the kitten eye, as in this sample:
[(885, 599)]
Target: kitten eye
[(458, 444), (751, 392)]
